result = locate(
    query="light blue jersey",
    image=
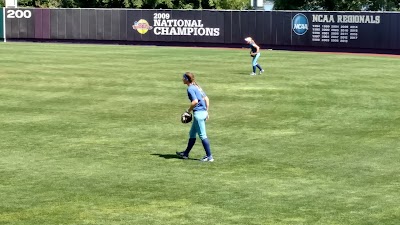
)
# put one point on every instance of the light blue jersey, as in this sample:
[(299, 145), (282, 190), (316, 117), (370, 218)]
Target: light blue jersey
[(194, 92)]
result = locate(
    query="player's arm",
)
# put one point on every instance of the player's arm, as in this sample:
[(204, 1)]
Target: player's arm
[(207, 100), (257, 47), (192, 105)]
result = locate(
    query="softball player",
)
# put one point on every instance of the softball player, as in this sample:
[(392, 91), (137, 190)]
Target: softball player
[(255, 53), (199, 104)]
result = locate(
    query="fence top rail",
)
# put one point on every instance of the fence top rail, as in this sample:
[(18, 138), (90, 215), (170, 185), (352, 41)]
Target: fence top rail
[(214, 10)]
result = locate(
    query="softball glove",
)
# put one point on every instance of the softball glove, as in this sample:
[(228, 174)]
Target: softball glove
[(186, 117)]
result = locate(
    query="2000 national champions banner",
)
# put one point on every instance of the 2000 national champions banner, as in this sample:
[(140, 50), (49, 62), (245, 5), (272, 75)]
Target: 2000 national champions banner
[(180, 26)]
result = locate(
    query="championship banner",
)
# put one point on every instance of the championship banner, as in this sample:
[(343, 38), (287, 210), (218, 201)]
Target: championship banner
[(175, 25), (343, 30)]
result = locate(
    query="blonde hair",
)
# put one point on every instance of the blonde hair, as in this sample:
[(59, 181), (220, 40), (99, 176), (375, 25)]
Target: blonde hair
[(248, 39)]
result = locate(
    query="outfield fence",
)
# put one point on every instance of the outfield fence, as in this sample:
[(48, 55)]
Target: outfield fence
[(290, 29)]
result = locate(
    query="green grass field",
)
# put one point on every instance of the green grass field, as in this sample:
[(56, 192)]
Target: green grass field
[(89, 134)]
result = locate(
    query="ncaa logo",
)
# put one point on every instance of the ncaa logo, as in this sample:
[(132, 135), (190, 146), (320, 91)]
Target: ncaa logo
[(300, 24)]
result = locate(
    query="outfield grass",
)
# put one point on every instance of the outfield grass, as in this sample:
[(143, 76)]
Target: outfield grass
[(89, 134)]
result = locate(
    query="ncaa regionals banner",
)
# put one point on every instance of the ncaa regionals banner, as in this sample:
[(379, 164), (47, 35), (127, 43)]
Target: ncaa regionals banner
[(343, 30), (175, 26)]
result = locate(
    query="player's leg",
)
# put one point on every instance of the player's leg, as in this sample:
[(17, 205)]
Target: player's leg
[(258, 65), (255, 63), (201, 121), (191, 141)]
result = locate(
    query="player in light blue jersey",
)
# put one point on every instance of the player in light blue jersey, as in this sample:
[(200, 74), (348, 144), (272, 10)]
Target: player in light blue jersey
[(199, 104), (255, 53)]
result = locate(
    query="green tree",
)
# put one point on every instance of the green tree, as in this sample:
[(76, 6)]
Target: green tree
[(327, 5), (338, 5), (153, 4), (230, 4), (384, 5), (289, 4)]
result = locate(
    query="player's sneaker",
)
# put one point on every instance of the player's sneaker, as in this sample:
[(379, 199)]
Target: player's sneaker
[(182, 155), (207, 159), (253, 74), (261, 71)]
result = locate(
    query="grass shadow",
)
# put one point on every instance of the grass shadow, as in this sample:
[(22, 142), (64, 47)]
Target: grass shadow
[(170, 156)]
